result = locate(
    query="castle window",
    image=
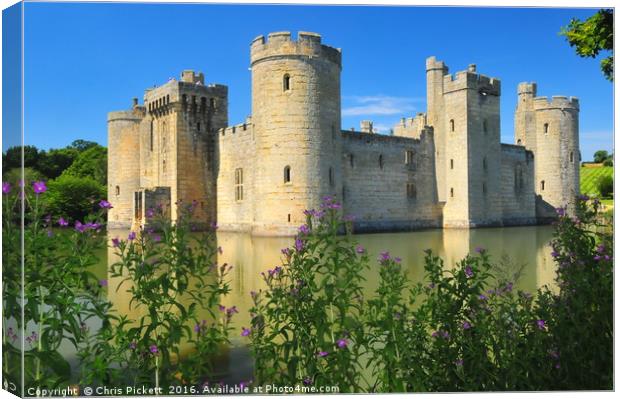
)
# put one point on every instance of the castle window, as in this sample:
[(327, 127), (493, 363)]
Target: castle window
[(289, 218), (381, 161), (212, 102), (151, 142), (409, 157), (571, 156), (484, 126), (238, 184), (351, 160), (118, 190), (484, 188), (411, 191), (287, 174), (203, 104), (451, 192), (184, 99), (286, 82), (137, 205), (167, 98), (546, 128), (198, 126), (452, 164), (484, 164), (542, 185), (163, 166), (519, 142), (451, 125), (331, 176)]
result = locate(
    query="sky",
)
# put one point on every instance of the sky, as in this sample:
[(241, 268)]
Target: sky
[(84, 60)]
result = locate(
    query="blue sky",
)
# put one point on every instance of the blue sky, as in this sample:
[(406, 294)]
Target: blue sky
[(83, 60)]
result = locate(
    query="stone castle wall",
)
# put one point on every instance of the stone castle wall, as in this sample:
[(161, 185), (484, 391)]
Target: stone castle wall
[(376, 175), (445, 167)]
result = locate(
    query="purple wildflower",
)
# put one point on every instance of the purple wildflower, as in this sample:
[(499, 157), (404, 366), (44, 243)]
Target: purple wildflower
[(299, 245), (342, 343), (304, 229), (322, 354), (131, 236), (39, 187), (79, 227), (384, 256), (50, 233), (598, 257), (116, 242), (133, 345), (555, 254), (103, 204), (541, 324), (458, 362), (245, 332), (153, 349), (150, 213), (222, 308), (600, 248), (359, 249), (286, 252), (307, 381), (560, 211), (469, 272), (103, 283), (156, 238), (479, 250), (62, 222), (197, 328), (6, 187), (482, 297), (214, 226), (466, 325), (397, 259)]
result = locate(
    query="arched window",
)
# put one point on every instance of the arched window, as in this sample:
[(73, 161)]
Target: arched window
[(286, 82), (287, 174), (381, 161), (451, 125), (542, 185), (451, 192), (452, 164), (151, 140), (519, 142), (118, 190), (411, 191), (546, 128)]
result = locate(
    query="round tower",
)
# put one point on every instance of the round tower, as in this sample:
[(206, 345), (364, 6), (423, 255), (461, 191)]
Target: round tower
[(296, 117), (557, 155), (123, 165)]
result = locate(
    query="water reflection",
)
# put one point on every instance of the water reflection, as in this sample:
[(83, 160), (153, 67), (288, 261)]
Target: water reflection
[(250, 255)]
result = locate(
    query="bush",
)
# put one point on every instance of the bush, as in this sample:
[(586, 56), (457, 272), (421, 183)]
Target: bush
[(73, 197), (608, 162), (92, 163), (606, 185)]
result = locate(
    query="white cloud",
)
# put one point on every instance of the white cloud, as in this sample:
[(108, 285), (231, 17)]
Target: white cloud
[(379, 105)]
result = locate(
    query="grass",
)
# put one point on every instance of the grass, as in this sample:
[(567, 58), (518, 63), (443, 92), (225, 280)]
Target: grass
[(589, 178)]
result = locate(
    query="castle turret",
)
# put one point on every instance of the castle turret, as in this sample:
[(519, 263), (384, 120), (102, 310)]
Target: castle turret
[(464, 112), (123, 164), (296, 117), (550, 129)]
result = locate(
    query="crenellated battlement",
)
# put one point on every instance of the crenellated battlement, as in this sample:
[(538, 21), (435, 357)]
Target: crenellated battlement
[(433, 64), (556, 102), (527, 88), (281, 44), (471, 80), (239, 128)]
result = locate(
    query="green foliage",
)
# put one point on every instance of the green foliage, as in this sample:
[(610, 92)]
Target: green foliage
[(307, 327), (589, 178), (82, 145), (461, 330), (92, 163), (54, 162), (12, 158), (606, 185), (14, 176), (592, 36), (600, 156), (73, 197)]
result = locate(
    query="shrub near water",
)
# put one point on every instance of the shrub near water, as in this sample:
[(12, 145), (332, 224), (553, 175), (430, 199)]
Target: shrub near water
[(460, 330)]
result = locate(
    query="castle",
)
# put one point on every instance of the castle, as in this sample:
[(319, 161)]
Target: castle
[(443, 168)]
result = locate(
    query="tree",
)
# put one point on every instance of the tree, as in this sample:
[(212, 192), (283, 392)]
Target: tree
[(600, 156), (93, 163), (54, 162), (13, 157), (82, 145), (73, 198), (14, 175), (592, 36), (606, 185)]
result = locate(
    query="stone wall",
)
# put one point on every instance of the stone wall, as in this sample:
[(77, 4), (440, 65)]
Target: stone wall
[(376, 175), (517, 186)]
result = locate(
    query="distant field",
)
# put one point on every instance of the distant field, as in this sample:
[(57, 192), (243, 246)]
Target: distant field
[(589, 178)]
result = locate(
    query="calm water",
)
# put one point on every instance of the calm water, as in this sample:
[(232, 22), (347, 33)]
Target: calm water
[(526, 248)]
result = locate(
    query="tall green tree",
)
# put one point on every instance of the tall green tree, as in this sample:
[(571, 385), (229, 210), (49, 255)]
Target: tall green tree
[(12, 158), (601, 156), (54, 162), (593, 36), (92, 163)]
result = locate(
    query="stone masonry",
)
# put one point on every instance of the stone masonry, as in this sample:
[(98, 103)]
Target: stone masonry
[(443, 168)]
